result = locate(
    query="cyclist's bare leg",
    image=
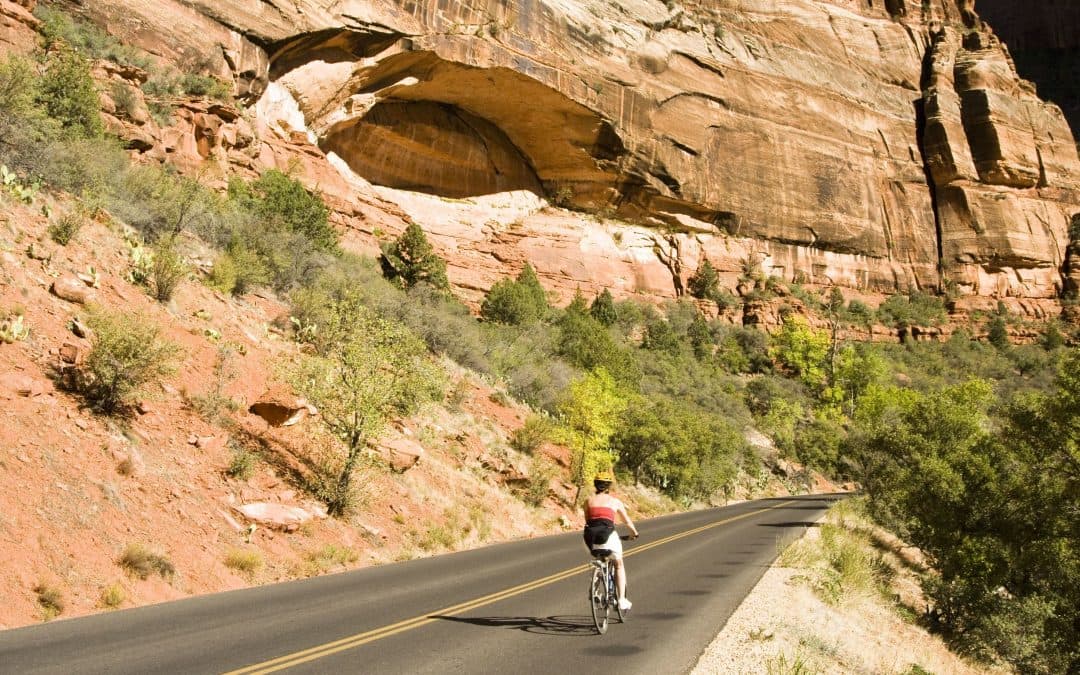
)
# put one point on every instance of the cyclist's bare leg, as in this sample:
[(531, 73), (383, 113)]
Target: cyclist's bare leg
[(620, 578)]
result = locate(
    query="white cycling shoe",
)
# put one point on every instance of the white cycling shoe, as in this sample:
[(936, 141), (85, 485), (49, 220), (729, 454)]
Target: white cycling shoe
[(625, 605)]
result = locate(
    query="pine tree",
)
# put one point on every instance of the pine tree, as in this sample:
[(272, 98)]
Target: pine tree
[(516, 301), (411, 260), (578, 304), (700, 336), (530, 284), (603, 308), (705, 284)]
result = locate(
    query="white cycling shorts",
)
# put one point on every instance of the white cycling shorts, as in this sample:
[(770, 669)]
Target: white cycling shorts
[(613, 544)]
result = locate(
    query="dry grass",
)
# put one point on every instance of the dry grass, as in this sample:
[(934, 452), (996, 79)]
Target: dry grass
[(112, 596), (141, 562), (246, 562), (50, 599), (326, 559)]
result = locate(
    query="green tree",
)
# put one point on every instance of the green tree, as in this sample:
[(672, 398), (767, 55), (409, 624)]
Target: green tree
[(380, 372), (587, 344), (516, 301), (997, 333), (803, 350), (578, 304), (590, 415), (1052, 339), (66, 92), (705, 283), (603, 308), (410, 260), (661, 337), (700, 337)]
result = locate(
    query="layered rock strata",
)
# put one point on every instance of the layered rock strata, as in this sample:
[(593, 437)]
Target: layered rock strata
[(883, 145)]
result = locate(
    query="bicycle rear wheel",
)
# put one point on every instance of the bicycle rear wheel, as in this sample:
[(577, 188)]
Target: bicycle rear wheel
[(598, 600)]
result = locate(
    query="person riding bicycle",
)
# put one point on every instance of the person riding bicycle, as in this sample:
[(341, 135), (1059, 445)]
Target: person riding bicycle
[(600, 534)]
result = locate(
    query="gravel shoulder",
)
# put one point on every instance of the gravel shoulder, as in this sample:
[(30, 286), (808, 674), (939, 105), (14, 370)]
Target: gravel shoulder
[(782, 626)]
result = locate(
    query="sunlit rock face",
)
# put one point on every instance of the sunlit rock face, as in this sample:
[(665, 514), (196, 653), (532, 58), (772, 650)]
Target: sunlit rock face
[(879, 144)]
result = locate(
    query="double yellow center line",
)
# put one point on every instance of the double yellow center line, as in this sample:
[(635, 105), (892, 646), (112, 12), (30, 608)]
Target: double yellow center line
[(353, 641)]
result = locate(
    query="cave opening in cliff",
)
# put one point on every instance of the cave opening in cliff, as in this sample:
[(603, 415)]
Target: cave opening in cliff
[(432, 147)]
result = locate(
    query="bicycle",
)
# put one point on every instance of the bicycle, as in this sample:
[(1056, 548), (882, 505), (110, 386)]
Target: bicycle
[(602, 592)]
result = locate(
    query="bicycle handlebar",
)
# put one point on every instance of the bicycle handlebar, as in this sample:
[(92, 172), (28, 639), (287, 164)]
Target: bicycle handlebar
[(628, 537)]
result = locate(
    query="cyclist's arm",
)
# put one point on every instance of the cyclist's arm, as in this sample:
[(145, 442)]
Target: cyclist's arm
[(626, 519)]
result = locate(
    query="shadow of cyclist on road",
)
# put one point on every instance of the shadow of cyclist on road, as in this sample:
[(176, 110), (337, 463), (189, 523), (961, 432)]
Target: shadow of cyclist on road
[(549, 625)]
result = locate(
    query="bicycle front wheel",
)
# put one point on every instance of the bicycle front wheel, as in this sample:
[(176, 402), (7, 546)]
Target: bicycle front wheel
[(598, 601)]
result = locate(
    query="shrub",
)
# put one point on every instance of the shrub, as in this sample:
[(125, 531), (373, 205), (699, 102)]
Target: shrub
[(279, 201), (51, 600), (141, 562), (539, 486), (354, 406), (997, 333), (223, 275), (124, 98), (64, 229), (532, 435), (59, 27), (243, 463), (168, 271), (112, 596), (13, 327), (247, 563), (126, 354), (205, 85), (66, 92)]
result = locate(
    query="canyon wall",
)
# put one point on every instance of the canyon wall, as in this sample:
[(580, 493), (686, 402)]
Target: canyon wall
[(881, 145), (1044, 40)]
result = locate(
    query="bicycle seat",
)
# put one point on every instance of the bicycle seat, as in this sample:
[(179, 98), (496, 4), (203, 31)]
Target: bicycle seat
[(601, 553)]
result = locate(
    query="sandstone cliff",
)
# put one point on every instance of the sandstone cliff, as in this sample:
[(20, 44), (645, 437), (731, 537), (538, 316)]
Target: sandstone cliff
[(1044, 39), (878, 145)]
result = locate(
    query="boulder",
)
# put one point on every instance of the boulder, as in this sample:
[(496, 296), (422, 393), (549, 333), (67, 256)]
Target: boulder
[(69, 287), (281, 408), (401, 453), (278, 516), (70, 353)]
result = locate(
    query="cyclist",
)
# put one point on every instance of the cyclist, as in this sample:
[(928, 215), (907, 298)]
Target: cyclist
[(600, 512)]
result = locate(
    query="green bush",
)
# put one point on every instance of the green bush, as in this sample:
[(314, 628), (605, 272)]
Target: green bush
[(64, 229), (168, 271), (126, 354), (603, 309), (59, 27), (532, 435), (205, 85), (223, 275), (243, 463), (517, 301), (112, 596), (67, 94), (280, 202)]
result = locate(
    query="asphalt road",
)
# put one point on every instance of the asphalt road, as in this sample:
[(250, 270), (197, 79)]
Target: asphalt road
[(519, 607)]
